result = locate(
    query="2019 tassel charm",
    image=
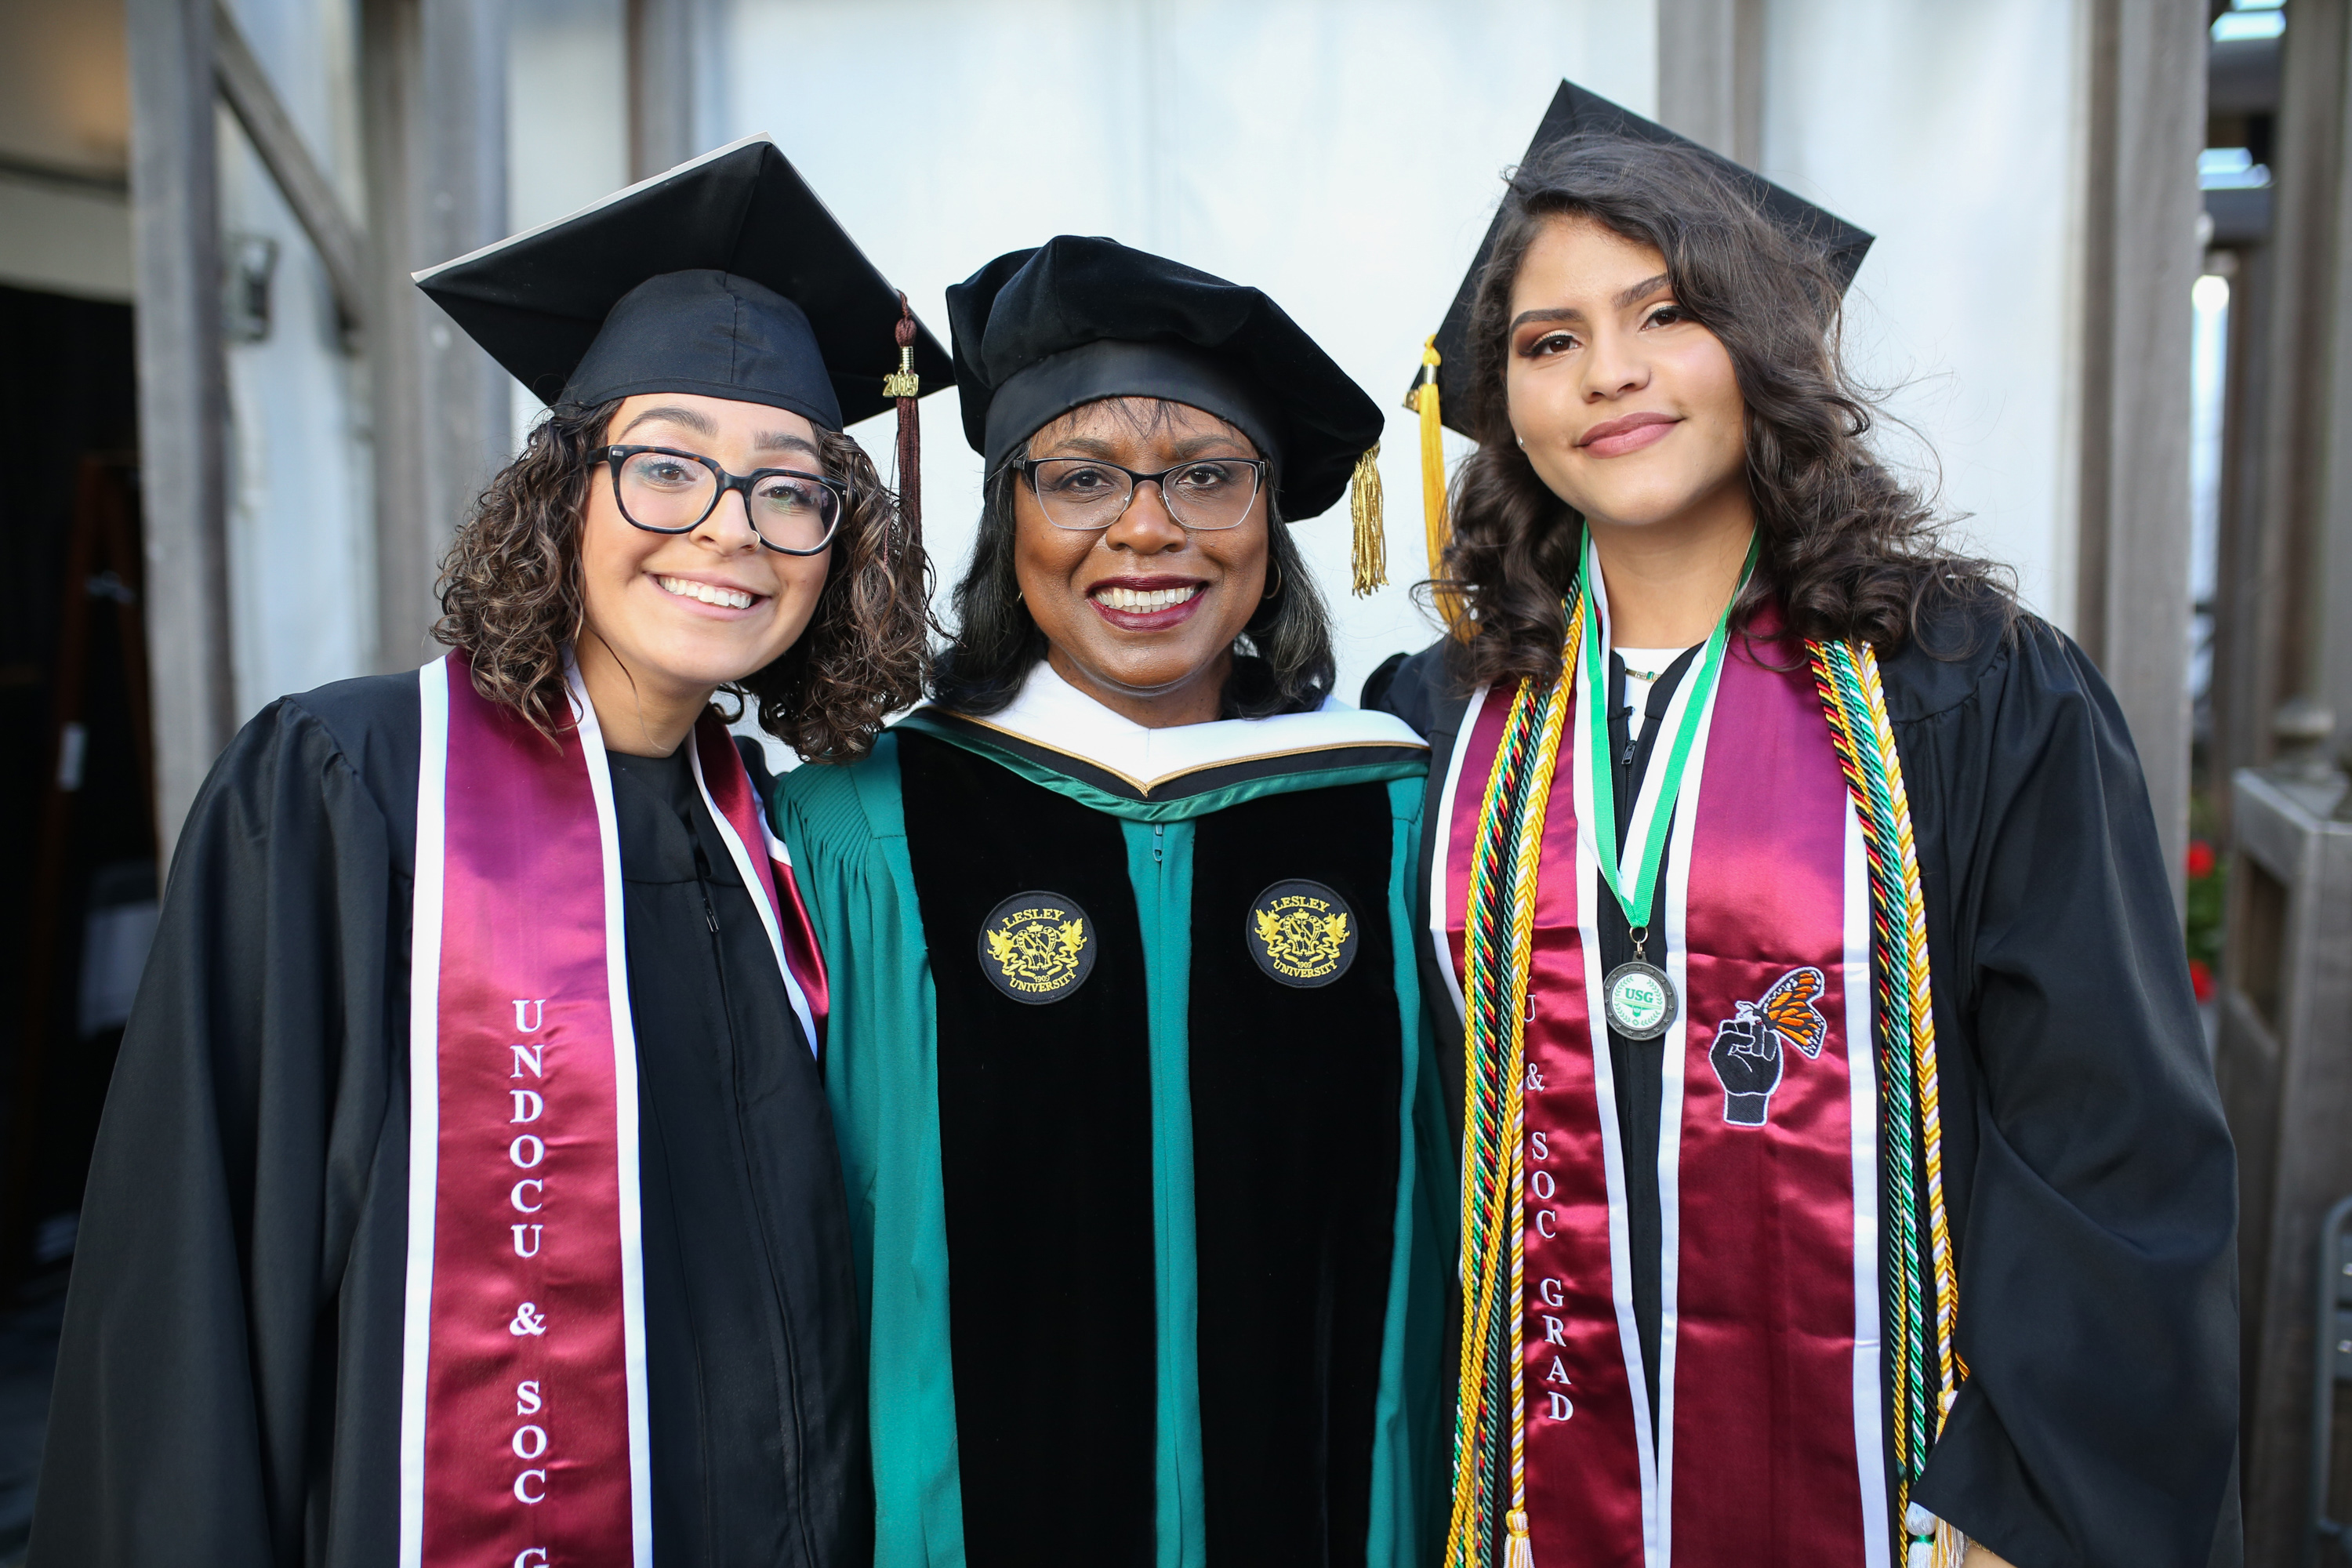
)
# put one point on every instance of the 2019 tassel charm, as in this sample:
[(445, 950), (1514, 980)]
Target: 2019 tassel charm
[(907, 386)]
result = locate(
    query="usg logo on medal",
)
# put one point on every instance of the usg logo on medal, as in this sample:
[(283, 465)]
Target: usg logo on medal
[(1640, 1000), (1301, 933), (1037, 947)]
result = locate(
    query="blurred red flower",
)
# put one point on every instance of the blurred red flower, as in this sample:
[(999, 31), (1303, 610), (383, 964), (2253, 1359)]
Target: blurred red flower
[(2201, 979), (2200, 859)]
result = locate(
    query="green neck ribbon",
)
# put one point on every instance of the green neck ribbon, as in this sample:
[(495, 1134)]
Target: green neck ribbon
[(1652, 850)]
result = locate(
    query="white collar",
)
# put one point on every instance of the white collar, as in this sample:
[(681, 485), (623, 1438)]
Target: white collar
[(1051, 712)]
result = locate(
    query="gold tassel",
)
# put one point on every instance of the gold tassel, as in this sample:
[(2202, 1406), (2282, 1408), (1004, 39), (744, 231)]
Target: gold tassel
[(1520, 1552), (1369, 553), (1437, 525)]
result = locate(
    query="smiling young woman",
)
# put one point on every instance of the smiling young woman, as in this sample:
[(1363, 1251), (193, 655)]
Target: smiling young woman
[(1845, 1182), (790, 589), (468, 1190), (1127, 1057)]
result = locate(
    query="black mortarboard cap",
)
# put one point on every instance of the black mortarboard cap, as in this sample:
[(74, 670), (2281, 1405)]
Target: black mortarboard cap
[(1573, 111), (726, 275), (1038, 332)]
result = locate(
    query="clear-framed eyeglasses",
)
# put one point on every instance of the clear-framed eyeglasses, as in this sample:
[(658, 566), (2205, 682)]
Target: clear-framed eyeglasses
[(663, 490), (1084, 494)]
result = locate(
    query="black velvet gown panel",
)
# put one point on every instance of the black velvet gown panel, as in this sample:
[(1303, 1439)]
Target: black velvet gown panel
[(1045, 1141), (228, 1383), (1295, 1096), (732, 1114), (2088, 1171)]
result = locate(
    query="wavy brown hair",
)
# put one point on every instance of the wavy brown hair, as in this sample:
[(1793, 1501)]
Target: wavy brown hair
[(1847, 549), (512, 597)]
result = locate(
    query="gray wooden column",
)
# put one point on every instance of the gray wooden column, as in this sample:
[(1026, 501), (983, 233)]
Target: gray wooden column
[(435, 103), (1711, 74), (2327, 622), (2146, 123), (664, 43), (2308, 170), (183, 396)]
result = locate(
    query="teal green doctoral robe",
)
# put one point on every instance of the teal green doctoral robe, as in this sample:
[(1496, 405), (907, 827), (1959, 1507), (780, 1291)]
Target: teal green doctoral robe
[(1150, 1183)]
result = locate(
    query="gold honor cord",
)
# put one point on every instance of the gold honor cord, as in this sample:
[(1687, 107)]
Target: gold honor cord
[(1855, 700), (1511, 818)]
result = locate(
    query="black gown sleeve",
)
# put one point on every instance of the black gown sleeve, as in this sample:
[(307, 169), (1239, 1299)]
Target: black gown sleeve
[(2091, 1180), (202, 1378)]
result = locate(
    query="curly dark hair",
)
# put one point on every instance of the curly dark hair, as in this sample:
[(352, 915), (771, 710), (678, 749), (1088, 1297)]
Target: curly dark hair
[(1283, 661), (512, 597), (1848, 551)]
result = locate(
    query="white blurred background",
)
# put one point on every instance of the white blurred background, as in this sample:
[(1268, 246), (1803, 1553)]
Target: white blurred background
[(1345, 158)]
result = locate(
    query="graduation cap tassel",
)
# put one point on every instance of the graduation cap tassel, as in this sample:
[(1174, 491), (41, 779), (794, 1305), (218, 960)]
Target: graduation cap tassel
[(1369, 554), (1437, 524), (906, 386)]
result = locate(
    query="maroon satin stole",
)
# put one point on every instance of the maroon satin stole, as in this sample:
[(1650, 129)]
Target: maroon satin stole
[(523, 1437), (1767, 1449)]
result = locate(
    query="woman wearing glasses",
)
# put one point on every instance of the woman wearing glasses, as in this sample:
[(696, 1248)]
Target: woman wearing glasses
[(467, 1185), (1136, 1108)]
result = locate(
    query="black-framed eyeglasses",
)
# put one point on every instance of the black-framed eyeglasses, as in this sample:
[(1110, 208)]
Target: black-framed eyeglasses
[(665, 491), (1204, 494)]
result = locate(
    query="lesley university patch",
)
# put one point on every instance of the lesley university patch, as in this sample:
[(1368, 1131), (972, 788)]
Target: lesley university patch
[(1301, 933), (1037, 947)]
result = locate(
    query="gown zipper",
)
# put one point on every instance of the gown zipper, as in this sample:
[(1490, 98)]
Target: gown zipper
[(798, 1435)]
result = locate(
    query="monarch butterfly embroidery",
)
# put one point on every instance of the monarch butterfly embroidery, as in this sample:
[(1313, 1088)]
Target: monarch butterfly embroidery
[(1746, 1054), (1787, 1010)]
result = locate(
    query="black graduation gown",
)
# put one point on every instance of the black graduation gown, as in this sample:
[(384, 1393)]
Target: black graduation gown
[(2089, 1178), (228, 1383)]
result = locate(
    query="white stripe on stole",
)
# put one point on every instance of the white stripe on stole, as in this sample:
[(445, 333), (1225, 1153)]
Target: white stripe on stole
[(625, 1101), (1674, 903), (1862, 1081), (424, 1093), (1578, 746), (752, 885), (1440, 822)]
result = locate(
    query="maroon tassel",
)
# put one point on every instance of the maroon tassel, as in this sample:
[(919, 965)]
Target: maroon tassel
[(907, 387)]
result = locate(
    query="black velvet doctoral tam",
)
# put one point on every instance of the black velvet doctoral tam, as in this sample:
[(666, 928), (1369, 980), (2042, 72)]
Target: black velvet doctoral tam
[(1038, 332)]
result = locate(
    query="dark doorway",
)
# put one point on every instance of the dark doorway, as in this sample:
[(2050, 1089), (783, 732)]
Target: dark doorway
[(77, 876)]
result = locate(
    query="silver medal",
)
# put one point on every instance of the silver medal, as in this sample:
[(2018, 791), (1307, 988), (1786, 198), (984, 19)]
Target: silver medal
[(1640, 1000)]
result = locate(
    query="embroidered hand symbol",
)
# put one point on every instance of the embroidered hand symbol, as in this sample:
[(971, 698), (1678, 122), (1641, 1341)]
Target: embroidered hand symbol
[(1747, 1059)]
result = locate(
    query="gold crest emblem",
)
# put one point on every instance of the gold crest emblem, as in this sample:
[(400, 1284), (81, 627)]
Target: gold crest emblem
[(1302, 933), (1036, 947)]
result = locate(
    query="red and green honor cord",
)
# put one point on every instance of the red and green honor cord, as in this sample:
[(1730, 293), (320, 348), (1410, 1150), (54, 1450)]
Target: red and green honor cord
[(1638, 997)]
